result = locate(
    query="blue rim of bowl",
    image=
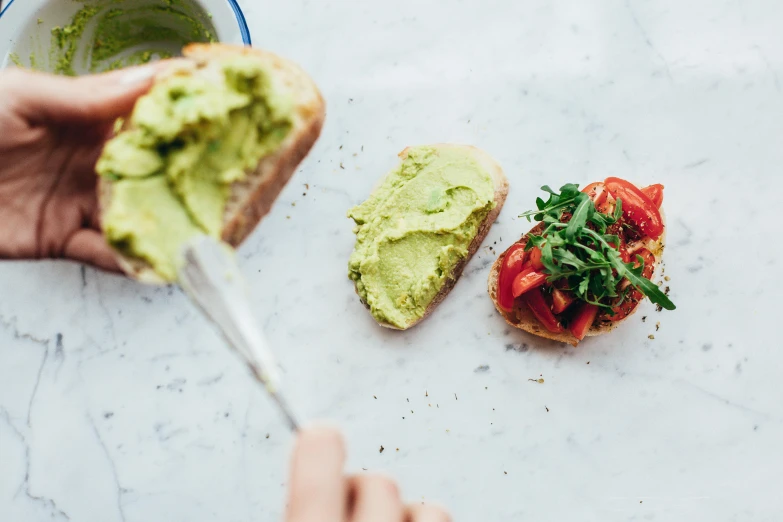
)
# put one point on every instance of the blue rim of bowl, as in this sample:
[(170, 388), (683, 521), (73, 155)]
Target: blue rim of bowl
[(240, 16), (240, 20)]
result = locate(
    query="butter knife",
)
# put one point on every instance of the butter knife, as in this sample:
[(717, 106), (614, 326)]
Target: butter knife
[(211, 278)]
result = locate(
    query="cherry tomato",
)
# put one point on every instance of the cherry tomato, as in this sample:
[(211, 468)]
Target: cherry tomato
[(583, 320), (596, 192), (510, 267), (561, 300), (655, 193), (638, 209), (526, 281), (535, 259), (537, 304)]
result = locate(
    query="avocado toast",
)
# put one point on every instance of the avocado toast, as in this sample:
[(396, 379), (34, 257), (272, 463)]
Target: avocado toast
[(420, 227), (206, 151)]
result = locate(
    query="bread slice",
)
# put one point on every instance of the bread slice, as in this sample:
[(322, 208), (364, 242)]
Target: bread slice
[(500, 183), (252, 198), (521, 317)]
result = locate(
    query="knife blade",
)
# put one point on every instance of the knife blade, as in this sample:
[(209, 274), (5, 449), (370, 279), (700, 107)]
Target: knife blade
[(211, 278)]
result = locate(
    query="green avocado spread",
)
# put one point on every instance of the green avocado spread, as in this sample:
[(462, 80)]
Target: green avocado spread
[(105, 35), (187, 141), (415, 228)]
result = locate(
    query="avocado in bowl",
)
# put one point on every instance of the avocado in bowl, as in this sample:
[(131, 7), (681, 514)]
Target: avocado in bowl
[(74, 37)]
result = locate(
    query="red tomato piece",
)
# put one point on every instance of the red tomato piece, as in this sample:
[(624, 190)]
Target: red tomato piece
[(638, 209), (634, 296), (535, 259), (583, 320), (655, 193), (623, 249), (561, 300), (526, 281), (537, 304), (510, 267), (597, 193), (649, 262), (625, 308)]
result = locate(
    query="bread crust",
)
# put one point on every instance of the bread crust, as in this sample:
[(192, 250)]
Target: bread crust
[(500, 183), (521, 317), (251, 199)]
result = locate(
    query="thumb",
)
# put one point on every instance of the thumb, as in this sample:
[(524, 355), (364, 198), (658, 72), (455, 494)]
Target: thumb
[(46, 98)]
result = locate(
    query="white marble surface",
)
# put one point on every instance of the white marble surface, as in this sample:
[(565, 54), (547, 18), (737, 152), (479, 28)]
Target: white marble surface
[(117, 403)]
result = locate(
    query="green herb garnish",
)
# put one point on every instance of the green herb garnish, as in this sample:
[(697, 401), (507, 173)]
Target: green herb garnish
[(583, 253)]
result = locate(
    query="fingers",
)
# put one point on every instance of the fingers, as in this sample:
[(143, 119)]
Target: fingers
[(426, 513), (375, 499), (45, 98), (318, 490), (89, 246)]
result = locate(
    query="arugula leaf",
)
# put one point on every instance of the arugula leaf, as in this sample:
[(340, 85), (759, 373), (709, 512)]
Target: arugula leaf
[(581, 251), (647, 287), (579, 219)]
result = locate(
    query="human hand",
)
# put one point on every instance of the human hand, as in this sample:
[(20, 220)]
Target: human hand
[(52, 130), (319, 490)]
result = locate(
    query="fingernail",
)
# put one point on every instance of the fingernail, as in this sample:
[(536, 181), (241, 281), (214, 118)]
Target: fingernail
[(138, 74)]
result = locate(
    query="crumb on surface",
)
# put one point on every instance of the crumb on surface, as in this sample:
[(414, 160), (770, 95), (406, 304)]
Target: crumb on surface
[(381, 450), (651, 337)]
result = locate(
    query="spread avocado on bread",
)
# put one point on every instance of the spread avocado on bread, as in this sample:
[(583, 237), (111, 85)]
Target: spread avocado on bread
[(205, 151), (588, 263), (419, 228)]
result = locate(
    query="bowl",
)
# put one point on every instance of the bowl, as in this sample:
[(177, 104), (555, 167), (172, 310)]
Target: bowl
[(76, 37)]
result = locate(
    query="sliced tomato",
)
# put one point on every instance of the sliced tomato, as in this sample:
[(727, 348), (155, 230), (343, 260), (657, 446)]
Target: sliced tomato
[(616, 230), (583, 320), (638, 209), (511, 266), (597, 193), (537, 304), (634, 296), (527, 280), (561, 300), (655, 193), (625, 308), (649, 262), (535, 259)]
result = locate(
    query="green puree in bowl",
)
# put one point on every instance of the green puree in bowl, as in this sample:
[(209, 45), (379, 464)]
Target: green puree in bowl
[(111, 34)]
